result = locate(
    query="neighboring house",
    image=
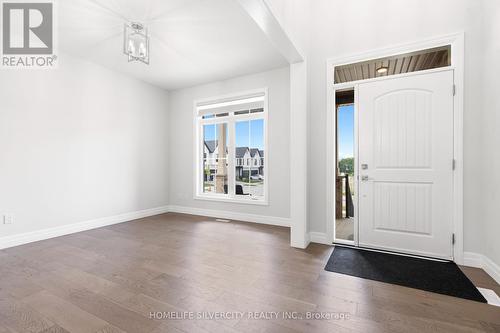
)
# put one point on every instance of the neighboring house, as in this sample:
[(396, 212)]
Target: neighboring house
[(248, 161), (210, 157), (209, 149)]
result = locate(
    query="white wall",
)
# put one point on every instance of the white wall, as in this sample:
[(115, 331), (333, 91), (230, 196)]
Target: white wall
[(278, 157), (77, 143), (490, 159), (295, 18)]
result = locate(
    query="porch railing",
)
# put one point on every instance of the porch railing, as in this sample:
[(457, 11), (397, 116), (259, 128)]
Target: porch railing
[(345, 208)]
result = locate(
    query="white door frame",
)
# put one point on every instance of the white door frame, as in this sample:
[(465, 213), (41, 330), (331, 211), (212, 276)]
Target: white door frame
[(457, 64)]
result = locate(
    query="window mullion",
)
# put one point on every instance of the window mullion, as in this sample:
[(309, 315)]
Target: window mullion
[(231, 158), (201, 143)]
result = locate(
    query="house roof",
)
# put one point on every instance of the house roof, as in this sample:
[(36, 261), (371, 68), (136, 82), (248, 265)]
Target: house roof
[(240, 151), (254, 151), (210, 145)]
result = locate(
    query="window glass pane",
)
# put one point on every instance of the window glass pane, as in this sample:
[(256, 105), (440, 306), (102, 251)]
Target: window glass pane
[(249, 158), (215, 158), (344, 206), (242, 157), (256, 182)]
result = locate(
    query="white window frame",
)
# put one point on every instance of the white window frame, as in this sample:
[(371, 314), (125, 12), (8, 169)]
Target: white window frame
[(198, 150)]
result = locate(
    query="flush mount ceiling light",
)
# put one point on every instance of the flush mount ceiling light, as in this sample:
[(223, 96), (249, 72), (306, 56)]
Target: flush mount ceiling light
[(136, 42), (382, 70)]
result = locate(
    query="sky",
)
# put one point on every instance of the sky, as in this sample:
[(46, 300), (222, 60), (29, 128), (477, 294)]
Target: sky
[(251, 133), (248, 133), (345, 121)]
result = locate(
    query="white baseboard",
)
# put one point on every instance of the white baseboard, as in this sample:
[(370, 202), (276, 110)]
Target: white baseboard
[(480, 261), (490, 295), (318, 237), (271, 220), (38, 235), (301, 244), (472, 259)]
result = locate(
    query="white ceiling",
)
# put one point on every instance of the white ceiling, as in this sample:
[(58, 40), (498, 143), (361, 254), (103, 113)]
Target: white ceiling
[(192, 41)]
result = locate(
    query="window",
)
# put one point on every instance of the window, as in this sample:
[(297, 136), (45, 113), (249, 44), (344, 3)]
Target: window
[(393, 65), (231, 146)]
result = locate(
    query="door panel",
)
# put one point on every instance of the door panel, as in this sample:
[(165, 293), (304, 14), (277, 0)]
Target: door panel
[(403, 129), (405, 164)]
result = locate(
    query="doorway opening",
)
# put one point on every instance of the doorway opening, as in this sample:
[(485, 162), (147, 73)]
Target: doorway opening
[(344, 166), (390, 86)]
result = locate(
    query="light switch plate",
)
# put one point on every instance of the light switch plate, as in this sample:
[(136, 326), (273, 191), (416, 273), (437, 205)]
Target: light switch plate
[(8, 219)]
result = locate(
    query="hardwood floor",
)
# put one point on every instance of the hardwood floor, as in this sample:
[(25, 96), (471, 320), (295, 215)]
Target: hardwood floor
[(114, 279)]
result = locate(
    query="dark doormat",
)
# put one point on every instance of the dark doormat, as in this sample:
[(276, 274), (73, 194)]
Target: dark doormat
[(429, 275)]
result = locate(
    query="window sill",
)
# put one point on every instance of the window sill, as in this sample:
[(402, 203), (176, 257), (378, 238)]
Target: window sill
[(231, 200)]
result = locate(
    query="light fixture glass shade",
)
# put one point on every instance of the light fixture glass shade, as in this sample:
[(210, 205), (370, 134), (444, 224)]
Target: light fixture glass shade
[(382, 70), (136, 42)]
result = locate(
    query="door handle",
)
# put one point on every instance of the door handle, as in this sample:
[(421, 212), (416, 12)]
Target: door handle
[(365, 178)]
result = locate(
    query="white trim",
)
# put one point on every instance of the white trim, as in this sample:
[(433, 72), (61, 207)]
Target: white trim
[(299, 236), (403, 251), (198, 122), (229, 97), (224, 198), (348, 242), (490, 295), (473, 259), (393, 252), (250, 101), (457, 64), (458, 61), (38, 235), (477, 260), (319, 238), (270, 220), (331, 134)]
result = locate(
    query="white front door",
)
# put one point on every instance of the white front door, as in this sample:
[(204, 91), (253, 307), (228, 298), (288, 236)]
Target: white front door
[(405, 164)]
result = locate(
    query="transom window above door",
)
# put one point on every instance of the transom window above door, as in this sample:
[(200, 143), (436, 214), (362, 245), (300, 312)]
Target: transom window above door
[(231, 148), (393, 65)]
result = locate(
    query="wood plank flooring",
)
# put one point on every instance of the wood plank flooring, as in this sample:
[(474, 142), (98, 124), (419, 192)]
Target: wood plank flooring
[(112, 279)]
